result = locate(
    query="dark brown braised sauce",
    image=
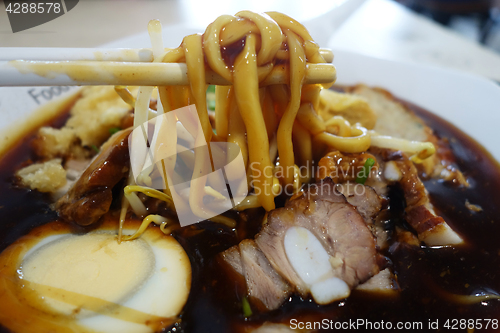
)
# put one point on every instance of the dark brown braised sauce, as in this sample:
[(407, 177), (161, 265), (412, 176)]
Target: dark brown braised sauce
[(426, 275)]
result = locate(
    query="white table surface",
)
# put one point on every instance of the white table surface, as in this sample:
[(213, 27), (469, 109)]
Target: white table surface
[(95, 22), (379, 28), (385, 29)]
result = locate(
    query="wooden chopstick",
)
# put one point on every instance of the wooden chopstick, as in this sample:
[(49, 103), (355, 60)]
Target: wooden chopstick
[(70, 73), (68, 54)]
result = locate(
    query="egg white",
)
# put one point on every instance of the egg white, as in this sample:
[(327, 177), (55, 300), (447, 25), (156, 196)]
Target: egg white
[(144, 292)]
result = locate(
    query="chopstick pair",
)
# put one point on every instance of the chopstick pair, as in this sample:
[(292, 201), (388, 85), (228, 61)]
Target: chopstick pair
[(68, 67)]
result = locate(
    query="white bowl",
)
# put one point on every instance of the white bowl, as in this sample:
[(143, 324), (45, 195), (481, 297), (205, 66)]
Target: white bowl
[(470, 102)]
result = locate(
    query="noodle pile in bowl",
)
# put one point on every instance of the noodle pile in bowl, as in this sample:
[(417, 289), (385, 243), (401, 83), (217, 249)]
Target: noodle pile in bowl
[(275, 126)]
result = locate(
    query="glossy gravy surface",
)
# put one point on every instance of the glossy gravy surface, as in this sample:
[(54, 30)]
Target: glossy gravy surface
[(429, 277)]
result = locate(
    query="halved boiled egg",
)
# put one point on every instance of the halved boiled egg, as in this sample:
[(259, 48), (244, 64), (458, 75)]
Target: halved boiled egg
[(52, 280)]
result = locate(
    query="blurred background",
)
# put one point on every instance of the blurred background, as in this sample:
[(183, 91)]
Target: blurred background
[(477, 20), (461, 34)]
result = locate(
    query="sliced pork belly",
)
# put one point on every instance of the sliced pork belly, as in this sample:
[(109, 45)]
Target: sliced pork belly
[(364, 198), (342, 167), (265, 287), (370, 205), (232, 257), (318, 244), (391, 167), (345, 167), (271, 242), (90, 196), (320, 220), (382, 283), (369, 199), (263, 283), (420, 214)]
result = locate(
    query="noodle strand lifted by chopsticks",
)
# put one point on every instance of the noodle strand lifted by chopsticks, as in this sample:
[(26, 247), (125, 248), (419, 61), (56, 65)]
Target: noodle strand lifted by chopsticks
[(274, 126), (297, 72), (247, 97)]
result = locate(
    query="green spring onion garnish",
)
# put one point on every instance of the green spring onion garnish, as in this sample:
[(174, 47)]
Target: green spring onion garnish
[(365, 172)]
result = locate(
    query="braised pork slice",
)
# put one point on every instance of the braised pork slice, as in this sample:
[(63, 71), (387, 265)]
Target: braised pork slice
[(336, 224), (342, 167), (346, 167), (431, 228), (382, 283), (369, 199), (318, 245), (271, 242), (263, 283), (265, 287), (90, 196), (364, 198), (232, 257), (371, 206)]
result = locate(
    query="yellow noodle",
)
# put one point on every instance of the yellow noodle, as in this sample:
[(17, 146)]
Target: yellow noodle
[(150, 192), (297, 72), (199, 179), (266, 102), (250, 201), (195, 62), (303, 146), (223, 98), (270, 41), (310, 94), (237, 132), (171, 96), (123, 215), (247, 97), (211, 43), (174, 55), (297, 182), (216, 179), (171, 227), (157, 219), (337, 125), (163, 93), (264, 71), (286, 22), (282, 55), (312, 51), (358, 143), (310, 120), (281, 97), (422, 150), (125, 95), (237, 30), (273, 148), (180, 96)]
